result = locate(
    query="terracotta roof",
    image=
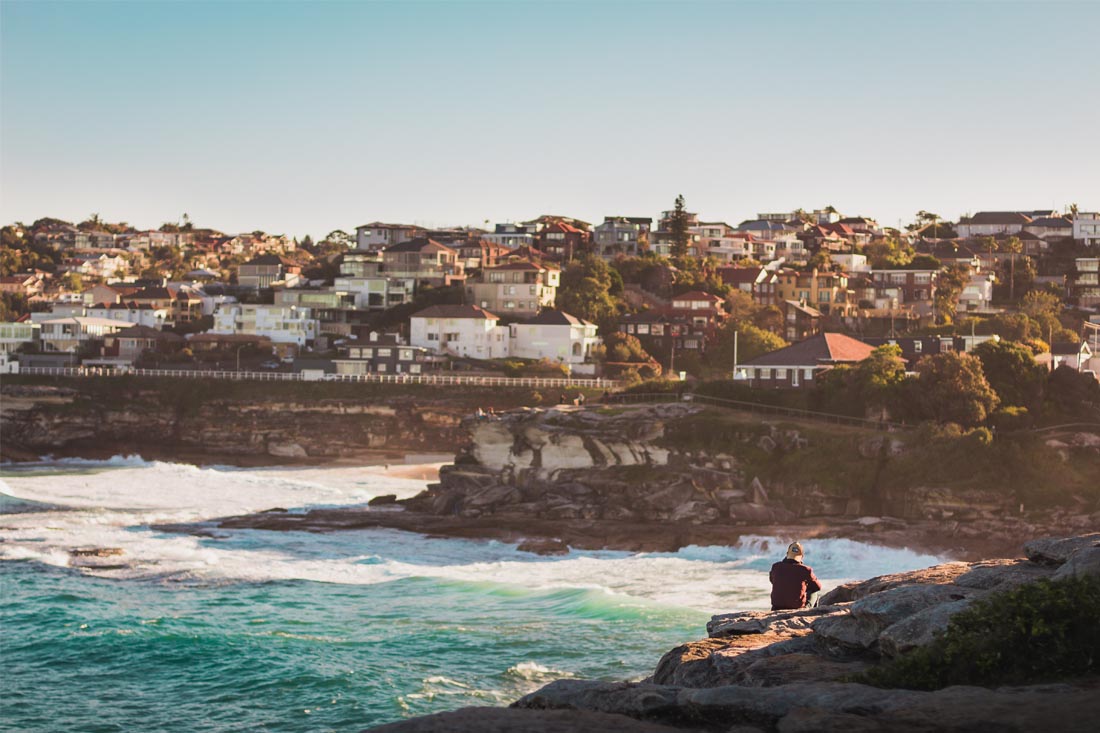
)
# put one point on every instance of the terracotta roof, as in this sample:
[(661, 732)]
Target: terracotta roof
[(456, 311), (822, 349)]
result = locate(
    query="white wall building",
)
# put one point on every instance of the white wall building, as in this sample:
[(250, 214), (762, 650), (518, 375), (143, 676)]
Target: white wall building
[(1086, 228), (460, 330), (69, 334), (555, 336), (281, 324)]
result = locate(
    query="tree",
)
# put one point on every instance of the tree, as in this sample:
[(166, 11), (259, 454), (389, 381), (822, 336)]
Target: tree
[(585, 292), (951, 388), (878, 377), (752, 341), (1012, 372), (887, 253), (678, 225), (949, 285)]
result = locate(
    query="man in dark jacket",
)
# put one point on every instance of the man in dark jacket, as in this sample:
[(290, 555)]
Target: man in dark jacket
[(793, 584)]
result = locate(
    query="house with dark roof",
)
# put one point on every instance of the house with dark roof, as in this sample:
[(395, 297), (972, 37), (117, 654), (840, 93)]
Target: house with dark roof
[(798, 366), (556, 336), (664, 336), (384, 353), (625, 235), (129, 345), (989, 223), (1073, 354), (1051, 227), (756, 281), (459, 330)]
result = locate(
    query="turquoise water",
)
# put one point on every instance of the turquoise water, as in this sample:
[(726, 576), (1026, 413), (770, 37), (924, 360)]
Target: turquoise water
[(295, 631)]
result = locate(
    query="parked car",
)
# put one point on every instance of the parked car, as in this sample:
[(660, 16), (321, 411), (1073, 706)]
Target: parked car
[(270, 364)]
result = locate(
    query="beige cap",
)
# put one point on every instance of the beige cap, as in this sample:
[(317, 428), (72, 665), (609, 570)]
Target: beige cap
[(794, 550)]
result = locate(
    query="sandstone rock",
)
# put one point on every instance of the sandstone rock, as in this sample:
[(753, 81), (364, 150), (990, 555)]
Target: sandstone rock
[(716, 662), (286, 450), (944, 573), (920, 629), (695, 512), (783, 669), (833, 706), (512, 720), (759, 622), (1084, 562), (1002, 574), (1055, 550)]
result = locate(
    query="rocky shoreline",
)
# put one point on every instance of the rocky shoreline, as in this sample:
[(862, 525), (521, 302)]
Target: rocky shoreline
[(786, 671)]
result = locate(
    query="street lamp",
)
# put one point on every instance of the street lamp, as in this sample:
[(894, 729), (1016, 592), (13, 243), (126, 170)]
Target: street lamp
[(239, 356)]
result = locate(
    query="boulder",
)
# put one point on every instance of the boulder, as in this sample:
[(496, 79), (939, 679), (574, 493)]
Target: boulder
[(759, 622), (383, 500), (944, 573), (1002, 574), (783, 669), (1083, 563), (717, 662), (544, 546), (920, 629), (1056, 550)]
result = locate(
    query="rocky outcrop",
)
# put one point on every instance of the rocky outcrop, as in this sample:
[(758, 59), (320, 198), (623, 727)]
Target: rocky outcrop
[(787, 670), (154, 421)]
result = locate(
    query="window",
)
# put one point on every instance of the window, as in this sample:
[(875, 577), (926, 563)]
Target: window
[(414, 368), (405, 355), (433, 336), (765, 373), (808, 374), (643, 328), (381, 367), (510, 304), (383, 353), (780, 373), (658, 329), (917, 346)]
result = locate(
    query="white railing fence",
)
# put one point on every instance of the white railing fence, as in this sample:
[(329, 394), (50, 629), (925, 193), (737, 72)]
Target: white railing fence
[(456, 379)]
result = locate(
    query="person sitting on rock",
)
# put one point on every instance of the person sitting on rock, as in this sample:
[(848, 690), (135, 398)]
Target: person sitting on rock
[(794, 585)]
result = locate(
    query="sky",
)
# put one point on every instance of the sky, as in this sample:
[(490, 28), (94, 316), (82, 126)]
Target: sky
[(300, 118)]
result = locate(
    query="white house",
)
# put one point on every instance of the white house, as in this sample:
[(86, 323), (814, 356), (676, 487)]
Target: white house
[(281, 324), (460, 330), (555, 336), (850, 262), (1086, 228), (977, 293), (140, 315), (989, 223), (69, 334)]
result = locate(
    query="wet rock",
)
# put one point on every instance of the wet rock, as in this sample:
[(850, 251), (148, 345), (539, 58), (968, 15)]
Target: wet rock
[(544, 546), (286, 450), (95, 552), (384, 500), (512, 720)]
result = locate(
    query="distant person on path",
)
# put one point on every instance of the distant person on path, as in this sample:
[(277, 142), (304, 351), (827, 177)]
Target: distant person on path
[(794, 585)]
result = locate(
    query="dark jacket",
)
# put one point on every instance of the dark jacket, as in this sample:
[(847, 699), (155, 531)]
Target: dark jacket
[(792, 584)]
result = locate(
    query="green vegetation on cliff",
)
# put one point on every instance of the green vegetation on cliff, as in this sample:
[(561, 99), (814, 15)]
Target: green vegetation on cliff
[(1039, 632)]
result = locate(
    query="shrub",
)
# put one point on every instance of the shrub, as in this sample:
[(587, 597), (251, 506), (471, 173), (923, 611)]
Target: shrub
[(1007, 419), (1039, 632)]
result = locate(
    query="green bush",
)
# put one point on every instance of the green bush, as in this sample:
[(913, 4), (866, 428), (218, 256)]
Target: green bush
[(1039, 632), (1007, 419)]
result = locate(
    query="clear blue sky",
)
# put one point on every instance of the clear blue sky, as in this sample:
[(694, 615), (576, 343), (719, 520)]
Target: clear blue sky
[(305, 117)]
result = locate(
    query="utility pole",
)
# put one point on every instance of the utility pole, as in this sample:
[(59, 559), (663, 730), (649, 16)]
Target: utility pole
[(735, 355)]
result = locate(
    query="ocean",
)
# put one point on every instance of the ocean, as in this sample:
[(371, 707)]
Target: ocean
[(251, 630)]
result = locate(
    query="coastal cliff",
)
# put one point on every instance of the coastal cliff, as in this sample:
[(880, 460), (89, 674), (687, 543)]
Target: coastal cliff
[(697, 471), (260, 422), (809, 670)]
